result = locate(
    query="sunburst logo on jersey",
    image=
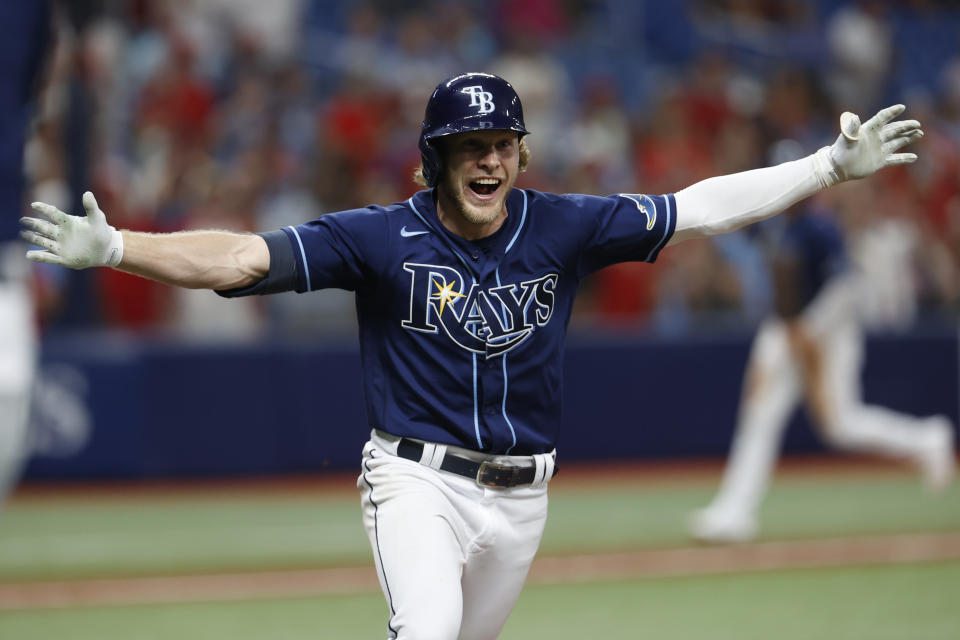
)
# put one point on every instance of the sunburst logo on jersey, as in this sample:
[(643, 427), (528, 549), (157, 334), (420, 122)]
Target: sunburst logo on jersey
[(446, 294)]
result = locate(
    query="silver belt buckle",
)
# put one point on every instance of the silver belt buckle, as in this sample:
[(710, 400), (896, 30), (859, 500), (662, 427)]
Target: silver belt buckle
[(493, 473)]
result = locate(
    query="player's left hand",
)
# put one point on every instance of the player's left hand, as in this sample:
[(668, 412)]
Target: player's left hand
[(862, 150)]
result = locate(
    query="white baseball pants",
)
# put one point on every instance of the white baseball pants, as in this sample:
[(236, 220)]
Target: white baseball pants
[(18, 352), (773, 388), (451, 555)]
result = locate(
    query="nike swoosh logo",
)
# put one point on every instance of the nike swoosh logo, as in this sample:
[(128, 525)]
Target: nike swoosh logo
[(410, 234)]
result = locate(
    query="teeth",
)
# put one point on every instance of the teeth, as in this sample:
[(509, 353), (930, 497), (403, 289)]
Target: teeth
[(487, 181)]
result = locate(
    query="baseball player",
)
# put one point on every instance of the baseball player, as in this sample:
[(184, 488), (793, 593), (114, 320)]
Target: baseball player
[(27, 25), (463, 295), (811, 350)]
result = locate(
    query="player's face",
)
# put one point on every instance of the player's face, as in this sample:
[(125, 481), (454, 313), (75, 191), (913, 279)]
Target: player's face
[(480, 169)]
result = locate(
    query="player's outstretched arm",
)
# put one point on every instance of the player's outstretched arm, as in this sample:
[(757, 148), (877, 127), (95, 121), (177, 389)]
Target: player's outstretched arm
[(725, 203), (193, 259)]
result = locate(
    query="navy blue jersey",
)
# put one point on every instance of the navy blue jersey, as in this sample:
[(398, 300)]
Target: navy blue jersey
[(807, 250), (462, 341)]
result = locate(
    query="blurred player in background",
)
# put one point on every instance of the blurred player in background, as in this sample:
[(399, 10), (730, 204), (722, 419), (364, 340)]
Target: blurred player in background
[(26, 35), (811, 350), (463, 293)]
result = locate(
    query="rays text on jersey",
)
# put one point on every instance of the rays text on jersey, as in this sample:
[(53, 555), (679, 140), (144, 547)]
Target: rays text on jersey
[(491, 321)]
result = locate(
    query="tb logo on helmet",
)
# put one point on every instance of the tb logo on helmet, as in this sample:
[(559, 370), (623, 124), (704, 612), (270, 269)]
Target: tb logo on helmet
[(493, 104), (480, 98)]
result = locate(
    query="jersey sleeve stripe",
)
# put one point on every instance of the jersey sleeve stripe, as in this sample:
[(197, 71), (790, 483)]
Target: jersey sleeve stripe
[(303, 257), (667, 228)]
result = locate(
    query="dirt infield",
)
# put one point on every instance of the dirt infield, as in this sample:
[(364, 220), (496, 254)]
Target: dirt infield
[(767, 556)]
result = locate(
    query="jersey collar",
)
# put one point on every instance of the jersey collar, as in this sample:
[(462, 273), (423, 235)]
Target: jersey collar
[(423, 204)]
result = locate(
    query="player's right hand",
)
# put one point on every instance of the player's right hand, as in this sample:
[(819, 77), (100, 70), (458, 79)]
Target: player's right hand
[(77, 242)]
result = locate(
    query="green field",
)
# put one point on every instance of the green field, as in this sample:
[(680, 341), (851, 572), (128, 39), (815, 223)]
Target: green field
[(99, 536)]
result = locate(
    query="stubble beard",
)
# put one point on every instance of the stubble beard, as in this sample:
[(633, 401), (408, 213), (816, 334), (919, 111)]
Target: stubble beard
[(472, 214)]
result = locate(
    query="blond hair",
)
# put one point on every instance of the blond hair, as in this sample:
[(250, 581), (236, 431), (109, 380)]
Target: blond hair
[(524, 161)]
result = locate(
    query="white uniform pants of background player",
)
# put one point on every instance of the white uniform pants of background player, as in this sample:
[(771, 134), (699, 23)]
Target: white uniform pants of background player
[(18, 344), (452, 556), (773, 389)]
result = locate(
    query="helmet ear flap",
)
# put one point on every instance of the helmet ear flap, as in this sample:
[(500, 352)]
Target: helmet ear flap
[(431, 162)]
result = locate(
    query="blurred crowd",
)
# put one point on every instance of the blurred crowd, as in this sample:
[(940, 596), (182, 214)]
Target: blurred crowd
[(252, 115)]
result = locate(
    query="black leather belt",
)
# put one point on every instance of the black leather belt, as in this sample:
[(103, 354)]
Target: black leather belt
[(487, 473)]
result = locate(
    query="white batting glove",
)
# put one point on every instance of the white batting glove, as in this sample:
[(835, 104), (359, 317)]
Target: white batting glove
[(73, 241), (862, 150)]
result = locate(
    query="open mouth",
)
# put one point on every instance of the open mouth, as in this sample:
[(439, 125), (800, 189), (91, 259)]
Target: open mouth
[(485, 187)]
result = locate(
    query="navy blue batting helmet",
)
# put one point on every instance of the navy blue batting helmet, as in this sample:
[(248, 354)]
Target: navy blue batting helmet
[(467, 102)]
